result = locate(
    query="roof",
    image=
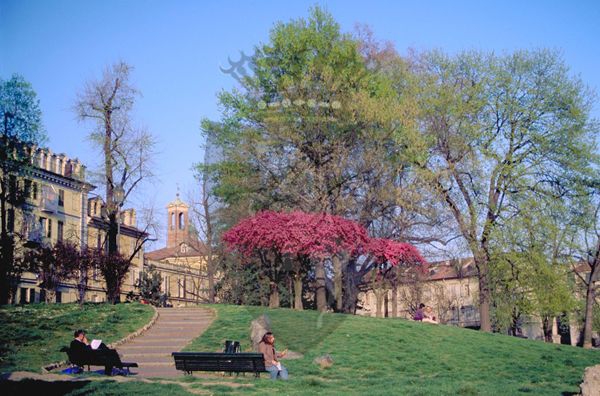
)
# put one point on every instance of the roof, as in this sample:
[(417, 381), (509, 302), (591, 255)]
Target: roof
[(134, 232), (193, 249), (451, 269), (177, 202)]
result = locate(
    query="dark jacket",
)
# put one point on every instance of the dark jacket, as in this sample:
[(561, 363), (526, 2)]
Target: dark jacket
[(79, 350)]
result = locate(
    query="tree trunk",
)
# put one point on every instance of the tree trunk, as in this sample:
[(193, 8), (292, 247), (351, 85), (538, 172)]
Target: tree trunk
[(337, 283), (320, 292), (386, 305), (547, 322), (210, 276), (481, 262), (590, 298), (379, 297), (350, 289), (395, 300), (298, 293), (589, 315), (274, 296)]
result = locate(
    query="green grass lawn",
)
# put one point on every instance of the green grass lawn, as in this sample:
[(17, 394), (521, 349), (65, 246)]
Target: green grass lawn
[(393, 356), (371, 356), (32, 335)]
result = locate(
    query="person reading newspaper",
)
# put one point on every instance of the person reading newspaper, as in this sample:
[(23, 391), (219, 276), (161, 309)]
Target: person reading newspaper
[(82, 349)]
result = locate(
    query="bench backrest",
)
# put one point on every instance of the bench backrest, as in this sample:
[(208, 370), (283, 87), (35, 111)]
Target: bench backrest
[(210, 361)]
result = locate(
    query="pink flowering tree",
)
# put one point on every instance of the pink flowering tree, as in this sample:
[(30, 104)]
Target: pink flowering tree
[(386, 259), (292, 243)]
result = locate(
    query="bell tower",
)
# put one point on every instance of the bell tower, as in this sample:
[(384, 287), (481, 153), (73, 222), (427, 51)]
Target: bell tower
[(178, 229)]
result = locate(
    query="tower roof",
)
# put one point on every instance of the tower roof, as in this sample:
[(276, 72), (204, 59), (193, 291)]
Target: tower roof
[(177, 202)]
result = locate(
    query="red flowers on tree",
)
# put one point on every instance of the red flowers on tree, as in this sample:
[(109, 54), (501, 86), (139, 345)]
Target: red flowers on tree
[(312, 237), (394, 252), (296, 233)]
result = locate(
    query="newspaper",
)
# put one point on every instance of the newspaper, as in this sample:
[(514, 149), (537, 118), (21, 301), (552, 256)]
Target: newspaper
[(95, 344)]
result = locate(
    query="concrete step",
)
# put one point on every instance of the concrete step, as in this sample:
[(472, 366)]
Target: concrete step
[(174, 329)]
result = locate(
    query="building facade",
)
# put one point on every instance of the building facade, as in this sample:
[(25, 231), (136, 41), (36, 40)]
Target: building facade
[(451, 288), (58, 208), (182, 263)]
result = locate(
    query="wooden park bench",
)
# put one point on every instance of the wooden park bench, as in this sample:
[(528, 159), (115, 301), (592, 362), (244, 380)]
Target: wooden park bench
[(110, 357), (217, 361)]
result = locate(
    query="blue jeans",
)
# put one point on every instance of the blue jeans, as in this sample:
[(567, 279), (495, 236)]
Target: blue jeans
[(273, 370)]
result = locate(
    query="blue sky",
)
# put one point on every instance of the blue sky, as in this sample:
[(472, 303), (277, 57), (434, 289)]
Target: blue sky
[(177, 47)]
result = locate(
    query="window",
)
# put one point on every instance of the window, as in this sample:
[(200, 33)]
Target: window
[(10, 220), (58, 297), (98, 241), (42, 223), (181, 288), (49, 230), (34, 190), (23, 299), (12, 188), (27, 188), (181, 222), (172, 221), (32, 295), (95, 272), (59, 233), (134, 275), (61, 198)]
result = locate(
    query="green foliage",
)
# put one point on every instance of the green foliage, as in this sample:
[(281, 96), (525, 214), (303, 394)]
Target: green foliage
[(31, 335), (306, 124), (149, 285), (20, 114), (503, 130), (530, 272), (21, 129)]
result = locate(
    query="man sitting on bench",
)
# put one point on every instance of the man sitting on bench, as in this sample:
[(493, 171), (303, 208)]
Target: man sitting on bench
[(81, 350)]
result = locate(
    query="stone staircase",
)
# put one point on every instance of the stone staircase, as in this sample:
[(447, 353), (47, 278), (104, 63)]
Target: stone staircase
[(173, 330)]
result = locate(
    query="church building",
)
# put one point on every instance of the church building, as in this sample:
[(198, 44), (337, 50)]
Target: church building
[(182, 263)]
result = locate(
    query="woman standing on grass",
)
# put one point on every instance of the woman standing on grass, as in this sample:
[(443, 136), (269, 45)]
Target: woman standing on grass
[(272, 364)]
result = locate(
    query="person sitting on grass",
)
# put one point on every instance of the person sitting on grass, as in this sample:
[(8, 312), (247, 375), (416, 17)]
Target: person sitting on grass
[(82, 351), (272, 364), (428, 315), (419, 313)]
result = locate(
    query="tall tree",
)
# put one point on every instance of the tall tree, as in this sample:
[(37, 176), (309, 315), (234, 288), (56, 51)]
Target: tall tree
[(499, 126), (311, 129), (126, 150), (21, 129)]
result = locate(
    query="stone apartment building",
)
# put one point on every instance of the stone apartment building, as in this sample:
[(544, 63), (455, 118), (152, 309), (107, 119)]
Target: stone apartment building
[(451, 288), (58, 207)]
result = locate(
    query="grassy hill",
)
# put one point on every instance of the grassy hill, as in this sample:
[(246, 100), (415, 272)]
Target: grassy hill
[(371, 356), (32, 335), (393, 356)]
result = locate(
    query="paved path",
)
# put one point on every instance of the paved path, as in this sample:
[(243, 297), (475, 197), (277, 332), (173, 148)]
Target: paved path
[(174, 329)]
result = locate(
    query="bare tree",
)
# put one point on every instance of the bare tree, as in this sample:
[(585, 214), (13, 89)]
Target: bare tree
[(126, 150)]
